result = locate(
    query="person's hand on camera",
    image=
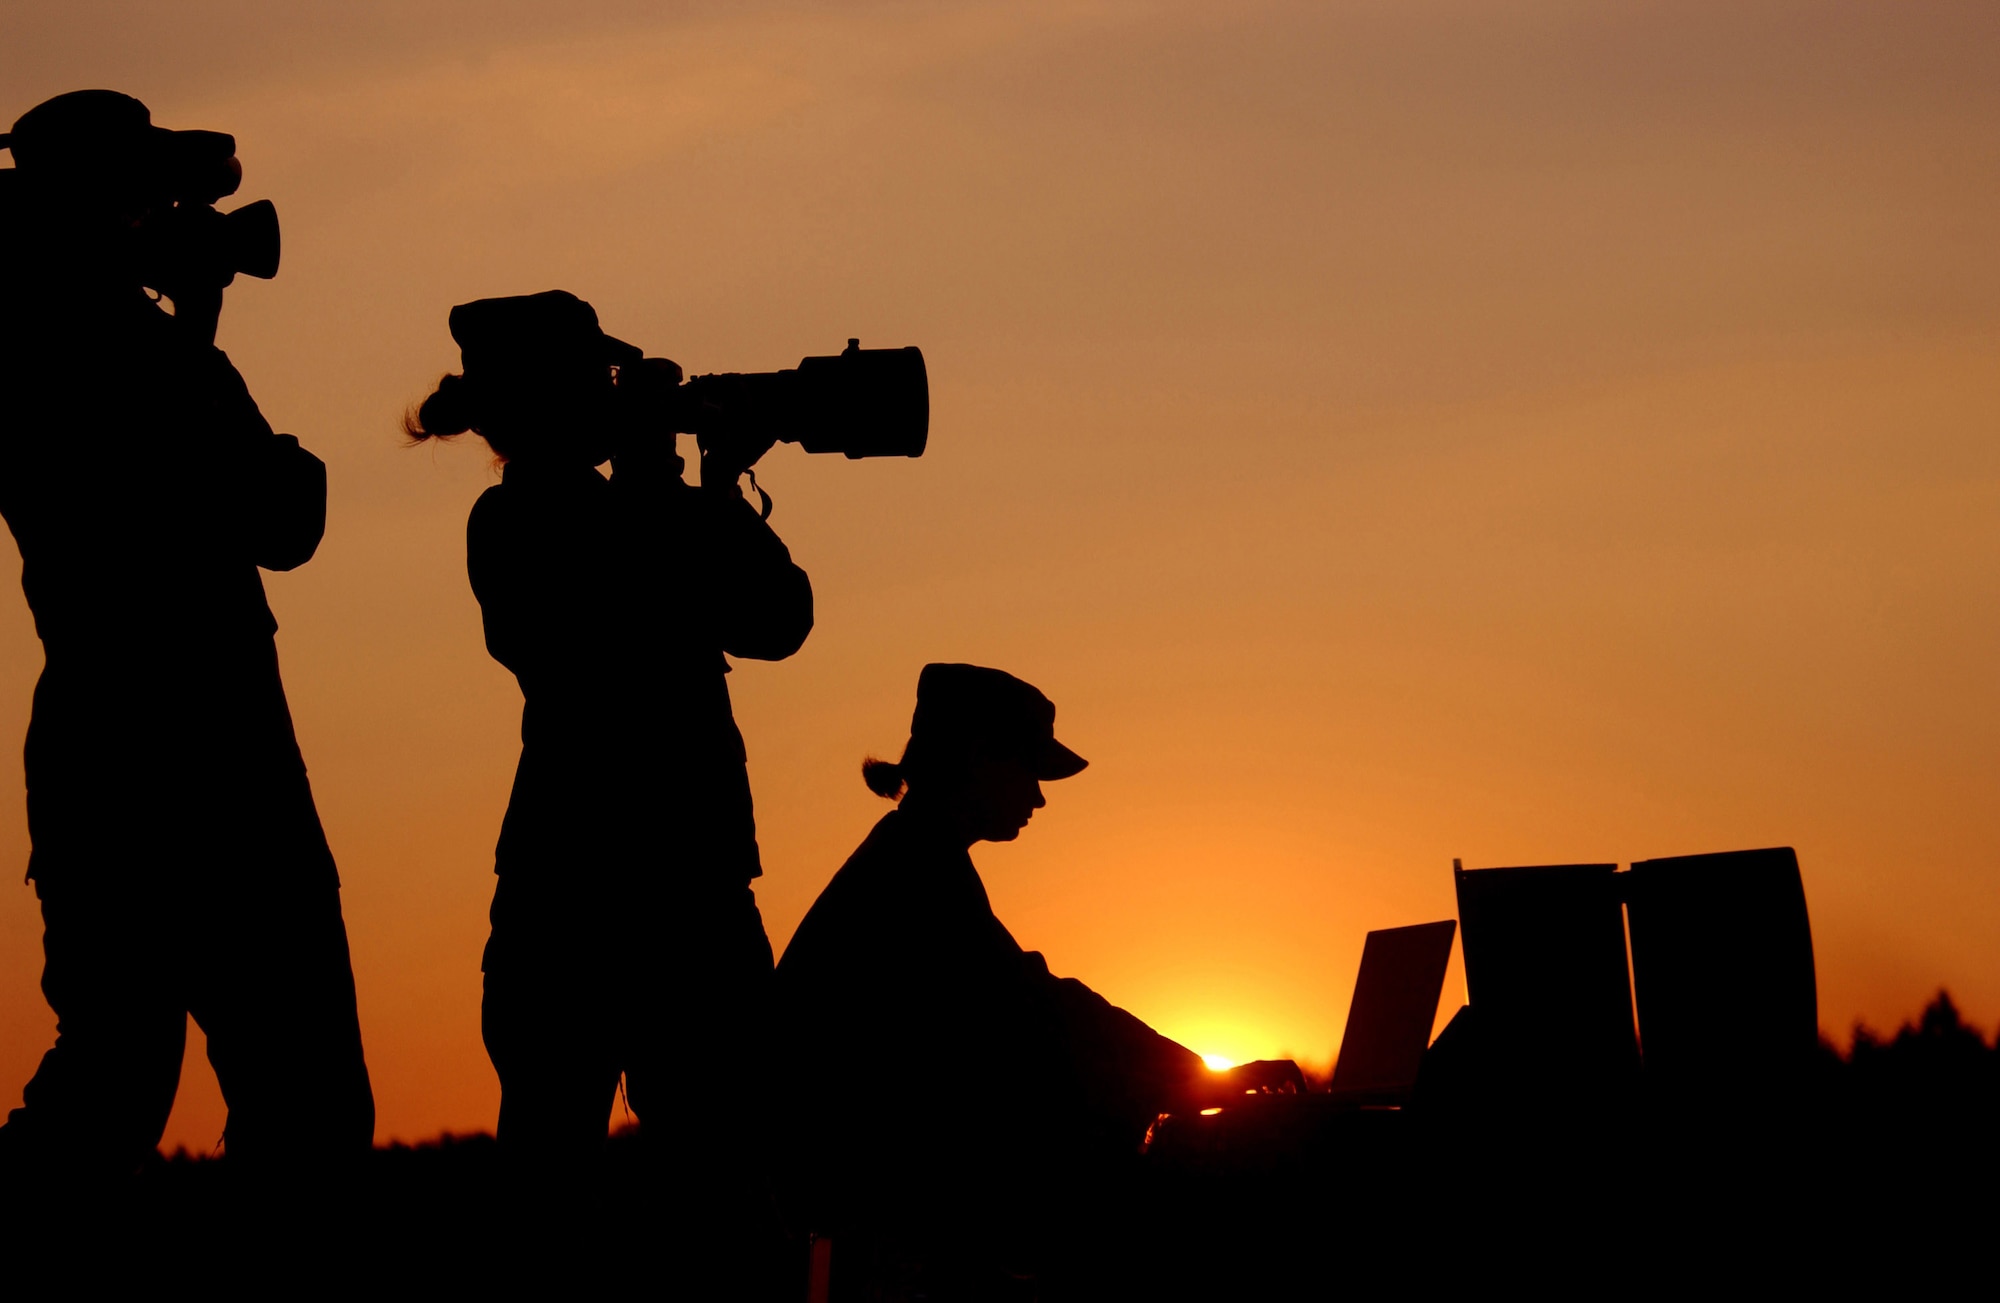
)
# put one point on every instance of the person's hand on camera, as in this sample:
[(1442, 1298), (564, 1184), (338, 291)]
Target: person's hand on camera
[(178, 252), (643, 413), (198, 308), (648, 384), (724, 457)]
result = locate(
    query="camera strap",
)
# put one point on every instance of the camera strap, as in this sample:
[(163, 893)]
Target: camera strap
[(765, 512)]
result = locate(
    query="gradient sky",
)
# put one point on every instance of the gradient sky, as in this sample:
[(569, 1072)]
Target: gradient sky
[(1389, 431)]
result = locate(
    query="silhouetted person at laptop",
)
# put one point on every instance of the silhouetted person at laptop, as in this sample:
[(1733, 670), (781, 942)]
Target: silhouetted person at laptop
[(626, 938), (176, 849), (956, 1087)]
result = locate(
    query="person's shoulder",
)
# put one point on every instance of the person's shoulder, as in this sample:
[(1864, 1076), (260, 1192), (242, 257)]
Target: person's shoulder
[(494, 501), (874, 860), (896, 851), (497, 521), (864, 886), (850, 918), (494, 509)]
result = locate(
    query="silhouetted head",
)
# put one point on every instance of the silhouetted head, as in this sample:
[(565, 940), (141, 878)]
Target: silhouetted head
[(981, 744), (90, 170), (536, 381)]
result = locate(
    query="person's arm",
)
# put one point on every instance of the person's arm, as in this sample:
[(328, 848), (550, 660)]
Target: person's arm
[(286, 505), (759, 601), (1134, 1072), (276, 490), (541, 581), (738, 580), (1128, 1068)]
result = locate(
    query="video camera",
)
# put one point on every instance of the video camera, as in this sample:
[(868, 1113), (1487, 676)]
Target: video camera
[(190, 242), (98, 151), (860, 402)]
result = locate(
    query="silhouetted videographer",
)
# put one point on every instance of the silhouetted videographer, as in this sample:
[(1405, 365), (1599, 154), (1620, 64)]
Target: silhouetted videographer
[(177, 851)]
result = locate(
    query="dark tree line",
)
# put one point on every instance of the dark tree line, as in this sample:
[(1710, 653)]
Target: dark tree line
[(1938, 1060)]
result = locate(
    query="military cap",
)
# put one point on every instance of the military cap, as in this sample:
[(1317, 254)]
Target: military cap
[(970, 709), (534, 328)]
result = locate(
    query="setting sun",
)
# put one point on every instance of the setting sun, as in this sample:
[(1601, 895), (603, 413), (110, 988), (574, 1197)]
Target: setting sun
[(1216, 1063)]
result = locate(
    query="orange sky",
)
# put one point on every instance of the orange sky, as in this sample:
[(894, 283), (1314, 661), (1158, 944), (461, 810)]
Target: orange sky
[(1390, 432)]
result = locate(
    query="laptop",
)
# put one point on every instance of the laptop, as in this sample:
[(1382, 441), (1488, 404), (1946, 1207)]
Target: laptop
[(1395, 1005), (1722, 965), (1546, 973)]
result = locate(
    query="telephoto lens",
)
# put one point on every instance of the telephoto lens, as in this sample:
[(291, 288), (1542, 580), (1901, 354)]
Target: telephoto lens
[(860, 402)]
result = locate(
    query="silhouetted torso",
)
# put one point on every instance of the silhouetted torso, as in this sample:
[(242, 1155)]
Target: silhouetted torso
[(939, 1057), (145, 489), (625, 934), (143, 485), (613, 602)]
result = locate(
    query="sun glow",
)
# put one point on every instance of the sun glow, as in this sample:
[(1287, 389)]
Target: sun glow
[(1216, 1063)]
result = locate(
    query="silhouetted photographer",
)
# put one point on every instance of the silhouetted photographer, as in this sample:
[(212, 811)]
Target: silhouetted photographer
[(961, 1100), (626, 938), (177, 851)]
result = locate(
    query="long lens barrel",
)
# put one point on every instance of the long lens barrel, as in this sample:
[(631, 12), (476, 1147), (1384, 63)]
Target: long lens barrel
[(862, 402)]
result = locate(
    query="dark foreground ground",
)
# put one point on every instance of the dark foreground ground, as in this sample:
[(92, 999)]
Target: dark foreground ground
[(1881, 1175)]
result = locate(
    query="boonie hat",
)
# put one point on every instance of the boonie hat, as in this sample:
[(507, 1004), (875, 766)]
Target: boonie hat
[(970, 709), (534, 329), (93, 138)]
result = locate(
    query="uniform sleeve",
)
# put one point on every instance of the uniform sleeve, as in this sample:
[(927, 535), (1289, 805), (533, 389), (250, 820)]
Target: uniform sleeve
[(1128, 1072), (760, 602), (731, 571), (277, 490), (286, 504)]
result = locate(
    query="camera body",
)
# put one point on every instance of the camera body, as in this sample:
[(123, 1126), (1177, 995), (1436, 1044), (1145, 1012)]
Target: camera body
[(194, 245), (185, 241), (196, 167), (82, 174), (860, 402)]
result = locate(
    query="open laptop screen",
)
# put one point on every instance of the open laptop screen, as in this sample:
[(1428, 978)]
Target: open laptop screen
[(1395, 1004)]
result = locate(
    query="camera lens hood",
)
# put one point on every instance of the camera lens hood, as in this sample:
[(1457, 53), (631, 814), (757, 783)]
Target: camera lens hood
[(250, 239)]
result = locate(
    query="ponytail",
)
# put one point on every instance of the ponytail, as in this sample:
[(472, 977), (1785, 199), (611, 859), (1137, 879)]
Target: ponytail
[(447, 412), (884, 778)]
